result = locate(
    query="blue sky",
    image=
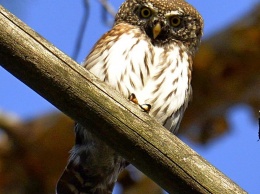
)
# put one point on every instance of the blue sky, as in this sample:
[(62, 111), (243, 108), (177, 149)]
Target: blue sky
[(236, 154)]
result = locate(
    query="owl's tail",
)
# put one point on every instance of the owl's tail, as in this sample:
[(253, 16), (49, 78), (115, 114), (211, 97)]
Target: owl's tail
[(93, 167), (76, 180)]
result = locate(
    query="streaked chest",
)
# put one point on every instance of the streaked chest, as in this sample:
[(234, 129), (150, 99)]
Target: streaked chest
[(159, 76)]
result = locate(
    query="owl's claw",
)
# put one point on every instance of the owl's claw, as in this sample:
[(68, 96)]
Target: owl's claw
[(133, 98), (146, 107)]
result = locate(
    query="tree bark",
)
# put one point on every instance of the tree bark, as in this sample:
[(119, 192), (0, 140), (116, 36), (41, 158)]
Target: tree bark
[(83, 97)]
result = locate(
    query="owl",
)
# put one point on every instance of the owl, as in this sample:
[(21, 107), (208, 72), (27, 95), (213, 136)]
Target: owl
[(147, 57)]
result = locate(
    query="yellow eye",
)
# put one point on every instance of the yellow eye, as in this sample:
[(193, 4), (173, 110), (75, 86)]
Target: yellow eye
[(175, 21), (146, 12)]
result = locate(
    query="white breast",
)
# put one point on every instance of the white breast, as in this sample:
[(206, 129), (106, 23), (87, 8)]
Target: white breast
[(133, 65)]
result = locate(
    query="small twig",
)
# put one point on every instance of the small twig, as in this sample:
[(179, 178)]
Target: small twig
[(81, 30), (108, 7)]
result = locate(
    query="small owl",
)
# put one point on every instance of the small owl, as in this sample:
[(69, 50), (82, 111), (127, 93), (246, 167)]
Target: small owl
[(147, 57)]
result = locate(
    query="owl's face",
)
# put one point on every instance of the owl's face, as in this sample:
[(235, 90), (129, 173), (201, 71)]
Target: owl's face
[(164, 21)]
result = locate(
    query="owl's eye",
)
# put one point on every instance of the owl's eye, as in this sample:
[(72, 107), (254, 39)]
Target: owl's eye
[(175, 21), (146, 12)]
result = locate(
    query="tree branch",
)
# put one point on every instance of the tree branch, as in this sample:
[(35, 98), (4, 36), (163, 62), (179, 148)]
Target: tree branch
[(132, 133)]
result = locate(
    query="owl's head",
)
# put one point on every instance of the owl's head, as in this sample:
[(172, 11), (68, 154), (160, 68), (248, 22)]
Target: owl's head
[(164, 21)]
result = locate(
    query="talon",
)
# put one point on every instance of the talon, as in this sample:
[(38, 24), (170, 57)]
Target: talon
[(146, 107), (133, 98)]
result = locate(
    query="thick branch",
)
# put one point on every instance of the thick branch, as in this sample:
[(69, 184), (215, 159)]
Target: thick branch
[(79, 94)]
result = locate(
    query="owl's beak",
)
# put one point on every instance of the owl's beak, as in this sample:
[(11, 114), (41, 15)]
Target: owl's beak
[(156, 30)]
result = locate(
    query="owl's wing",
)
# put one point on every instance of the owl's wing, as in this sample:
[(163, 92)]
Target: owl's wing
[(174, 121)]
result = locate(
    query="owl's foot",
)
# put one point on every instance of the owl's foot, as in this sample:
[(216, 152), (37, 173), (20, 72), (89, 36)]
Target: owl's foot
[(133, 98), (146, 107)]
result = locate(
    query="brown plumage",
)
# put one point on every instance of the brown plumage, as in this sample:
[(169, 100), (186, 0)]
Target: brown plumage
[(147, 56)]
